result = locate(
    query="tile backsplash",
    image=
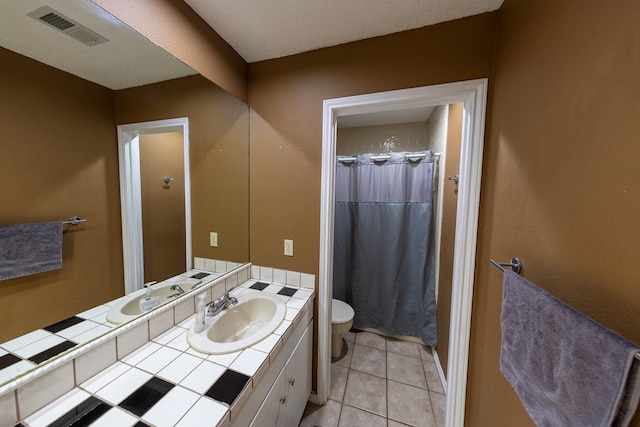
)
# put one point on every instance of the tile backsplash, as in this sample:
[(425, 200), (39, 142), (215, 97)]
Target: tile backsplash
[(283, 277)]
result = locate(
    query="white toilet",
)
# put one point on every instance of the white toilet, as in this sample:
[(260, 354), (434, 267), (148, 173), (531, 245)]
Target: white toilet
[(341, 321)]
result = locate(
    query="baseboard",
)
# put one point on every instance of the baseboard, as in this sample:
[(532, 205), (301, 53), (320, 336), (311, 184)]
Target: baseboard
[(399, 337), (443, 379), (313, 398)]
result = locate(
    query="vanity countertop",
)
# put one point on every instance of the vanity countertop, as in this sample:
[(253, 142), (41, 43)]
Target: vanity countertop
[(167, 383), (24, 353)]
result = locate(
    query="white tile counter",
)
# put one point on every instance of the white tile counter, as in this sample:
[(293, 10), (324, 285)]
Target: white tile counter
[(164, 382), (26, 352)]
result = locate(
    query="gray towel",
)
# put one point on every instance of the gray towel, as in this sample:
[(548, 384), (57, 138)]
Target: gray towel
[(30, 248), (567, 369)]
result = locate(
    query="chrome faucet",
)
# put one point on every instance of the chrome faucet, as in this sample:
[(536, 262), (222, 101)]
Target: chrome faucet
[(178, 289), (215, 307)]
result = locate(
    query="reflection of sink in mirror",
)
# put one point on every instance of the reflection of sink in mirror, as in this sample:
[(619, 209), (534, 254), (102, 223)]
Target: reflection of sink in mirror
[(128, 307), (254, 318)]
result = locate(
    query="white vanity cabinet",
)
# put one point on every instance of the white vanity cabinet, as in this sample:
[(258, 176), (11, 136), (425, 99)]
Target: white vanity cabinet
[(285, 402)]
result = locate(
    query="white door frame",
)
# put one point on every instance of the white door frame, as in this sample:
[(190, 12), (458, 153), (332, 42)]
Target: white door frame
[(473, 94), (130, 196)]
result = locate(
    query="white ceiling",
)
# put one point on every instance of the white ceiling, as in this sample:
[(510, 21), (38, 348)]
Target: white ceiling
[(256, 29), (126, 60), (267, 29)]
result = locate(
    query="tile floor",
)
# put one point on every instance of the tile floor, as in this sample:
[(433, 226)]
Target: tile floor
[(381, 382)]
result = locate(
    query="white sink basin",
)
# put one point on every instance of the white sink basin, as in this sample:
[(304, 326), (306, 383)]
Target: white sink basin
[(254, 318), (128, 308)]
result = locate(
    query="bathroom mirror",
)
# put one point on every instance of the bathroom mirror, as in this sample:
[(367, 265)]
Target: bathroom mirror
[(62, 102)]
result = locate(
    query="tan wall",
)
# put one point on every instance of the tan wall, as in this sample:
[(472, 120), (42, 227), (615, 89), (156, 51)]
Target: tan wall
[(371, 139), (59, 158), (286, 120), (219, 152), (163, 205), (175, 27), (448, 230), (286, 97), (560, 184)]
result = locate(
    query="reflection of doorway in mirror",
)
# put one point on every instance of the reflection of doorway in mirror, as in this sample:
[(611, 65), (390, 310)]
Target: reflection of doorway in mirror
[(163, 214), (131, 199)]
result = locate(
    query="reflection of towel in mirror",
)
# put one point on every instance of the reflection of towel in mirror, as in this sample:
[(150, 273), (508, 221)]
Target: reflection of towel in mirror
[(30, 248), (567, 369)]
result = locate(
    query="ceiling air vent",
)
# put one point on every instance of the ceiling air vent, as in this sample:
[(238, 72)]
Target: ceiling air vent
[(67, 26)]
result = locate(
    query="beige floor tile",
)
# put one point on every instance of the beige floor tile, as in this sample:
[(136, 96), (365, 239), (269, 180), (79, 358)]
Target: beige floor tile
[(346, 360), (367, 392), (352, 417), (414, 391), (392, 423), (369, 360), (338, 382), (425, 353), (405, 369), (405, 348), (439, 405), (349, 336), (410, 405), (325, 416), (433, 378), (371, 340)]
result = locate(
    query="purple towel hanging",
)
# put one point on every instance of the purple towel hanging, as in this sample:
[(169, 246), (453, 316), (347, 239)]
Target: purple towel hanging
[(567, 369), (30, 248)]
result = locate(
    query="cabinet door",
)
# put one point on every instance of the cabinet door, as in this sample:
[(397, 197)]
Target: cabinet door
[(271, 413), (298, 380)]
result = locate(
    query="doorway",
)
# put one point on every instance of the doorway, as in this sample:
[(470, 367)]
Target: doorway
[(162, 192), (472, 94), (131, 194)]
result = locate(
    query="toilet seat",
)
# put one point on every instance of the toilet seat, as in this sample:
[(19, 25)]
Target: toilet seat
[(341, 312)]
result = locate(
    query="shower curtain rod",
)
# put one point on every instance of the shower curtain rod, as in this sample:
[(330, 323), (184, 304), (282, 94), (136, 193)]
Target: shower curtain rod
[(387, 157)]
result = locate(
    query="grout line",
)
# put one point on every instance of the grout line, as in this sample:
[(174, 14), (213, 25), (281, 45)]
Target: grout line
[(386, 374)]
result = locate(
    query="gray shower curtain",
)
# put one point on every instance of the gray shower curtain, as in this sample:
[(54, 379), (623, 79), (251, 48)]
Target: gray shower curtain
[(383, 244)]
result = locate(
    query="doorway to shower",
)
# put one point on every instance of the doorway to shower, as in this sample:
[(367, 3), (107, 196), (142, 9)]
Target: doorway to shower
[(472, 95), (388, 216)]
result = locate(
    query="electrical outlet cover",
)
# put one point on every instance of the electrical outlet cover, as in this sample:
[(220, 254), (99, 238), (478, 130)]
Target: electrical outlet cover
[(288, 247)]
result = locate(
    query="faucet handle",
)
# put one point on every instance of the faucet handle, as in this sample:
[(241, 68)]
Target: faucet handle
[(213, 308)]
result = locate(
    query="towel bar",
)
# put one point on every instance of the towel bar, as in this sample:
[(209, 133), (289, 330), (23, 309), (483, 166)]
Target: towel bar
[(515, 264), (74, 220)]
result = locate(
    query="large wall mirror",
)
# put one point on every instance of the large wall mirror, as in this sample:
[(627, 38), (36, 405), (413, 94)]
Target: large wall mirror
[(65, 92)]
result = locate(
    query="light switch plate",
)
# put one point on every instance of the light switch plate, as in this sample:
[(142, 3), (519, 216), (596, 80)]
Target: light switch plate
[(213, 239)]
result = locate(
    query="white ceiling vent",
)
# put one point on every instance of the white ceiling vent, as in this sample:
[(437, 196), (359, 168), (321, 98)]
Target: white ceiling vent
[(67, 26)]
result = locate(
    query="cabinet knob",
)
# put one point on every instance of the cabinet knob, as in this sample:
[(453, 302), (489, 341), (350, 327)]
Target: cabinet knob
[(283, 399), (292, 381)]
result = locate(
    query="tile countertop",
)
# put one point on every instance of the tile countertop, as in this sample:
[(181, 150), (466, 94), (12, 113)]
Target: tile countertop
[(167, 383), (27, 351)]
